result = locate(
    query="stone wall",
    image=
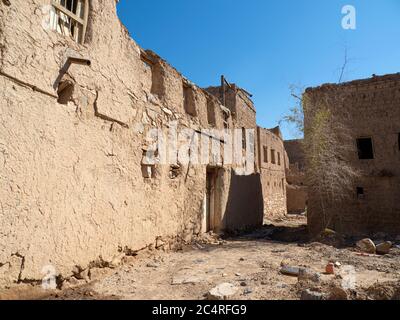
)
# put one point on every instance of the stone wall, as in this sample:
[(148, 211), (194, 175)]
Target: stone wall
[(75, 190), (372, 107)]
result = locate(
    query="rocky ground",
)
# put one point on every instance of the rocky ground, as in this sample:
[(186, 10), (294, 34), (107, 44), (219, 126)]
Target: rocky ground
[(248, 266)]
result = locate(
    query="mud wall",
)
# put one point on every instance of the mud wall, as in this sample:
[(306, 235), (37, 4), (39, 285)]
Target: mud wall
[(73, 185), (372, 108)]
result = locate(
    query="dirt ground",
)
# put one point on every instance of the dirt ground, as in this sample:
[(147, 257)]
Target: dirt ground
[(251, 262)]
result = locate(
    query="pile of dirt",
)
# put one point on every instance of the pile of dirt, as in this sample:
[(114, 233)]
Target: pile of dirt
[(384, 291)]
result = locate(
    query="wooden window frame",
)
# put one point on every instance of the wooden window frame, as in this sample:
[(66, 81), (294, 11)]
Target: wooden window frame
[(83, 22)]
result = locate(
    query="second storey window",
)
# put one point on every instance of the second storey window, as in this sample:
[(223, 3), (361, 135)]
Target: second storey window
[(273, 159), (70, 17), (365, 149), (265, 154)]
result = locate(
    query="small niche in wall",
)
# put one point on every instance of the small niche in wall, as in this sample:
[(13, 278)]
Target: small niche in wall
[(189, 101), (211, 113), (65, 91), (360, 193), (273, 160), (265, 154), (155, 69)]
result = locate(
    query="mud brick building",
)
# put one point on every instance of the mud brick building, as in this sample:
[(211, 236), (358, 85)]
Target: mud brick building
[(372, 108), (296, 177), (77, 98), (271, 161), (273, 164)]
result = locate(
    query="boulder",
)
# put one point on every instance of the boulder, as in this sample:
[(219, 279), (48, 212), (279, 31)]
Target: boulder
[(367, 246), (338, 293), (290, 271), (312, 295), (223, 291), (384, 247), (307, 274)]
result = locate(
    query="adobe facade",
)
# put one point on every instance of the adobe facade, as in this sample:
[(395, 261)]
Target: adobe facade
[(271, 161), (371, 108), (77, 187), (273, 164)]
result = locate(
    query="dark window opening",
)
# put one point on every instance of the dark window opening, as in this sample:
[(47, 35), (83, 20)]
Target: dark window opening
[(360, 193), (265, 154), (279, 159), (365, 149), (273, 160)]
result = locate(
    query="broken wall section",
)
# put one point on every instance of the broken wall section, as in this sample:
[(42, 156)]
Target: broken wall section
[(296, 177)]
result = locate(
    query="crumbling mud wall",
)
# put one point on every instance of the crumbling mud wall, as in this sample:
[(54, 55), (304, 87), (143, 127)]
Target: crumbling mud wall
[(372, 108), (296, 177), (273, 162), (74, 187)]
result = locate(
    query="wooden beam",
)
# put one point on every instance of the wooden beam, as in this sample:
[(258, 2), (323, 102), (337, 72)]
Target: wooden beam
[(68, 13)]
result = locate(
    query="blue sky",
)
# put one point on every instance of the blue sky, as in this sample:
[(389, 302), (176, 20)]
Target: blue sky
[(266, 46)]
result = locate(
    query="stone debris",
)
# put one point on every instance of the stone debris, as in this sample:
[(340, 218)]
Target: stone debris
[(366, 246), (290, 271), (186, 279), (209, 238), (116, 261), (311, 295), (223, 291), (384, 248), (338, 293), (305, 274), (247, 291)]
